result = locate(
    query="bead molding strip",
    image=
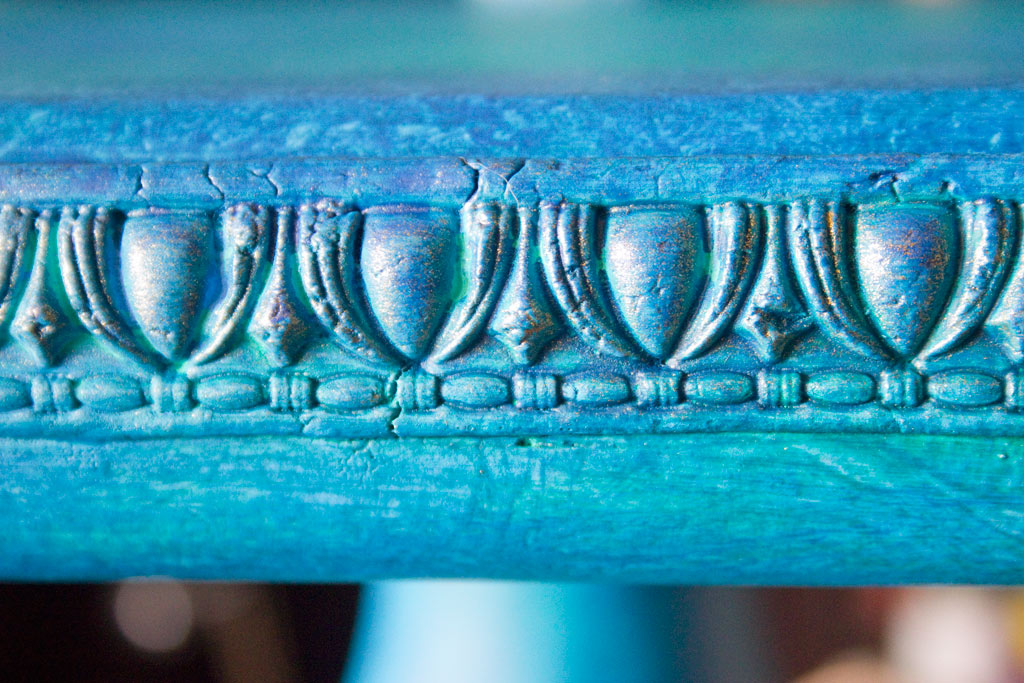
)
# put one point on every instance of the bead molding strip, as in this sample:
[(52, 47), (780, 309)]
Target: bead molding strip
[(501, 314), (420, 391)]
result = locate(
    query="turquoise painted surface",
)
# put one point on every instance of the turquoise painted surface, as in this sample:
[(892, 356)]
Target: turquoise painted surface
[(826, 125), (99, 480), (111, 470), (716, 508)]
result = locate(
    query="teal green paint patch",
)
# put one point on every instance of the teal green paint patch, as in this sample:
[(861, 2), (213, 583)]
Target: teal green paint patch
[(718, 508)]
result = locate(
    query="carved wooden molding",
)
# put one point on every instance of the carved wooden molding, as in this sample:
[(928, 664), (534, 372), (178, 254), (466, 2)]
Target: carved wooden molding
[(453, 296), (741, 337)]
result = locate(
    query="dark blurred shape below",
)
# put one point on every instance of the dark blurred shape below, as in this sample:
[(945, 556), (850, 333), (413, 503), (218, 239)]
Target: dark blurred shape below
[(173, 631), (217, 632)]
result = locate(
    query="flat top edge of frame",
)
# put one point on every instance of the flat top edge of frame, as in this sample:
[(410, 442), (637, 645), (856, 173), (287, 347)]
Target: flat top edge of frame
[(577, 93), (638, 110), (262, 125)]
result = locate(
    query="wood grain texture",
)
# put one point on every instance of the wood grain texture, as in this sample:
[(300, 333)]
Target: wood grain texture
[(723, 508)]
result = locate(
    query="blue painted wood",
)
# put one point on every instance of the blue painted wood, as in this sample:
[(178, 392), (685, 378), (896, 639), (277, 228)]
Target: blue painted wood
[(713, 508), (254, 129), (450, 297), (684, 330)]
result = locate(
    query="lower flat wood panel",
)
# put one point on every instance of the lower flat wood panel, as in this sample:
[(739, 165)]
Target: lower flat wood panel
[(699, 508)]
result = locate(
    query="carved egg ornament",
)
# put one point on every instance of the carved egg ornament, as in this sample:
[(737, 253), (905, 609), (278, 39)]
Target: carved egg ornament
[(676, 277), (165, 266), (655, 260), (408, 258), (905, 259), (398, 283), (908, 281), (180, 300)]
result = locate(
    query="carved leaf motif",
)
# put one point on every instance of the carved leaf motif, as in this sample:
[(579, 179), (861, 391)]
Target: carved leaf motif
[(774, 315), (656, 261), (487, 254), (279, 324), (571, 265), (327, 233), (735, 230), (990, 236), (523, 321), (15, 229), (246, 229), (820, 248), (82, 243)]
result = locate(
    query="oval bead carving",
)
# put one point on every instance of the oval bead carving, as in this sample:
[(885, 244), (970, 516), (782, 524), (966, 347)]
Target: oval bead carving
[(596, 389), (965, 389), (351, 392), (226, 393), (476, 390), (13, 394), (905, 258), (655, 259), (719, 387), (840, 388), (110, 393), (408, 264), (166, 258)]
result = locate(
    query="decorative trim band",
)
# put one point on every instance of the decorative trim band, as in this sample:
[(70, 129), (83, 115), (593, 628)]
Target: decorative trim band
[(495, 313), (419, 391)]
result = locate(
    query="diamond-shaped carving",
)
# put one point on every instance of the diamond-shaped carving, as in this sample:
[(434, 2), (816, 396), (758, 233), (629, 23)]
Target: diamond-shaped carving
[(525, 325), (42, 327), (278, 325), (774, 316), (772, 325), (40, 323), (523, 320)]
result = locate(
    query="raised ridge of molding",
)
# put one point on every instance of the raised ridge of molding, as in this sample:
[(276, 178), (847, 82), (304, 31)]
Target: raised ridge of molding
[(444, 297)]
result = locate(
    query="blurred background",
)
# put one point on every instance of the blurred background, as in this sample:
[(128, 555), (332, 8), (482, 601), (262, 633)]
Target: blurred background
[(443, 631), (503, 45)]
